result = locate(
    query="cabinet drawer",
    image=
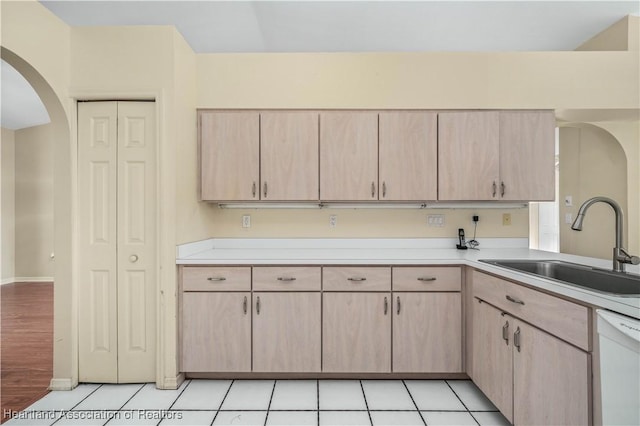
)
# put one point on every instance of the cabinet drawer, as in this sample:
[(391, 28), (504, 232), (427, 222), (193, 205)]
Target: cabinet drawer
[(426, 278), (286, 278), (356, 278), (214, 278), (566, 320)]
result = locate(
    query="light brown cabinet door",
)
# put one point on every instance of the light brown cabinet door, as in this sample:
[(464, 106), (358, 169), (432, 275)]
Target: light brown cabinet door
[(427, 333), (527, 159), (349, 156), (286, 332), (492, 355), (468, 156), (356, 333), (216, 332), (550, 380), (408, 150), (289, 156), (229, 155)]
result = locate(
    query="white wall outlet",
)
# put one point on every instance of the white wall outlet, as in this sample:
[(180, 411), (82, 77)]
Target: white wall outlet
[(435, 220), (333, 220), (568, 200), (246, 221), (568, 218)]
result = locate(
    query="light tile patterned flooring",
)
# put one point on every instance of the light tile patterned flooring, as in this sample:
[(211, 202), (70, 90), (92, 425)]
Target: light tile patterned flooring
[(268, 402)]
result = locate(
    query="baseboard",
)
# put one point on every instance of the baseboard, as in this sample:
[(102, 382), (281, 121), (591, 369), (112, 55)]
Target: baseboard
[(172, 382), (26, 280), (61, 384)]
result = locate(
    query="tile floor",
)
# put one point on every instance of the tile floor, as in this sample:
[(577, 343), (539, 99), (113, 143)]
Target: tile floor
[(268, 402)]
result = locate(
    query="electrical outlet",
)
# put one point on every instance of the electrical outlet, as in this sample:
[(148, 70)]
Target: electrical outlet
[(333, 220), (568, 218), (435, 220), (506, 219), (246, 221)]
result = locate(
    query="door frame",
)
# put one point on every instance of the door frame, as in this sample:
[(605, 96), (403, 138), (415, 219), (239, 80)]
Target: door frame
[(167, 376)]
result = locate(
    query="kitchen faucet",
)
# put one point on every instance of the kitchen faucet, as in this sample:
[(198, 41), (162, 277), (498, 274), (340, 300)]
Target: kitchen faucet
[(620, 255)]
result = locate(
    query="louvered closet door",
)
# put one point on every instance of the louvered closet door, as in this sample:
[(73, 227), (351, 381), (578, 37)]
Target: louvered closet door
[(117, 190)]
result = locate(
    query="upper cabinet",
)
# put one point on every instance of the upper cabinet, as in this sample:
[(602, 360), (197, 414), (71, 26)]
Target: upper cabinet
[(468, 155), (229, 155), (506, 155), (408, 149), (527, 157), (370, 156), (289, 156), (251, 156), (349, 156)]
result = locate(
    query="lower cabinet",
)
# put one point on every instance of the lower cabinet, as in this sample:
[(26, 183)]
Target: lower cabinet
[(216, 331), (356, 333), (286, 332), (427, 332), (531, 376)]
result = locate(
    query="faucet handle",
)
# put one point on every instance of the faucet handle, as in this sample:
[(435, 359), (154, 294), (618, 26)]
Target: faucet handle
[(627, 258)]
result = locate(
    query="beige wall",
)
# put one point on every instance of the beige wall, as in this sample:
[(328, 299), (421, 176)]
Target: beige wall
[(7, 215), (592, 163), (623, 35), (34, 202)]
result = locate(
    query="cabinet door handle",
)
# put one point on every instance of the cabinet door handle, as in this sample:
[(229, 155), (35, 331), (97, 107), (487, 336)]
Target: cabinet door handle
[(244, 305), (264, 190), (258, 305), (286, 279), (502, 188), (384, 189), (505, 332), (386, 305), (514, 300), (425, 279), (216, 279), (516, 339), (398, 312), (495, 188), (253, 190), (373, 189), (357, 279)]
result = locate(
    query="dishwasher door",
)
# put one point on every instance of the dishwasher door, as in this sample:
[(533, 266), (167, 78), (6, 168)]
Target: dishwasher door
[(619, 337)]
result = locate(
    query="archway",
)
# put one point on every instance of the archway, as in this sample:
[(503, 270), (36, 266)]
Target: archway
[(65, 341), (592, 162)]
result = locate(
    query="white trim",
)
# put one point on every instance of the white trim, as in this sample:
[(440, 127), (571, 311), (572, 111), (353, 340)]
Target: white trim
[(12, 280), (172, 382), (61, 384)]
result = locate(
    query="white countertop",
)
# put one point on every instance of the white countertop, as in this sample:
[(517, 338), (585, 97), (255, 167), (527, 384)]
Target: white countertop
[(419, 251)]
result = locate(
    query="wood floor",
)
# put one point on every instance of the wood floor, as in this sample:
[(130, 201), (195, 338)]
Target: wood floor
[(26, 351)]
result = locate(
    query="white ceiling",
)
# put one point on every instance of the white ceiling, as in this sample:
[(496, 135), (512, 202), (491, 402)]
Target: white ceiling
[(356, 26), (21, 106)]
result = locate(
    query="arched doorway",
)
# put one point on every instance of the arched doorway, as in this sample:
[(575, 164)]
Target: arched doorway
[(65, 341), (592, 163)]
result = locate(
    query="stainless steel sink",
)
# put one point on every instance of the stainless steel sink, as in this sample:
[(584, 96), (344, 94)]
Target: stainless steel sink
[(600, 280)]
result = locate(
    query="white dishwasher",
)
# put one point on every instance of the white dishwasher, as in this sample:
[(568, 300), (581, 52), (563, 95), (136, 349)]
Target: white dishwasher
[(619, 368)]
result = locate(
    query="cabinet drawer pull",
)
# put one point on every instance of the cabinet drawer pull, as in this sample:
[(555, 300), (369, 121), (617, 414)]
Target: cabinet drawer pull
[(384, 189), (386, 305), (265, 190), (373, 189), (357, 279), (502, 188), (244, 305), (505, 332), (258, 305), (286, 279), (495, 188), (425, 279), (398, 313), (253, 190), (216, 279), (514, 300), (516, 339)]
